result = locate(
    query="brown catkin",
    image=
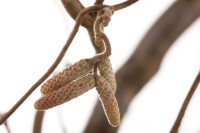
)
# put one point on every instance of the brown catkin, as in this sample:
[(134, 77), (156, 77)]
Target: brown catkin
[(67, 75), (66, 93), (108, 100), (105, 68)]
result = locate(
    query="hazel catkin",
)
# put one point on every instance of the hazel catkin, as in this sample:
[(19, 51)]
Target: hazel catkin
[(105, 68), (67, 75), (66, 93), (108, 100)]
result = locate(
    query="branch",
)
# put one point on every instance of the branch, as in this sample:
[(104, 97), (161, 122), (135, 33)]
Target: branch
[(55, 64), (75, 6), (6, 125), (145, 61), (185, 105), (123, 4)]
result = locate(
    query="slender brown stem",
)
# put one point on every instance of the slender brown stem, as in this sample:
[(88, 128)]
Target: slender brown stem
[(75, 6), (107, 44), (123, 4), (185, 105), (55, 64), (37, 127), (103, 15)]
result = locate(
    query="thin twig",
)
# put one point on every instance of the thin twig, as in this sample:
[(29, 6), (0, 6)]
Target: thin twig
[(73, 7), (55, 64), (123, 4), (103, 15), (37, 126), (185, 104)]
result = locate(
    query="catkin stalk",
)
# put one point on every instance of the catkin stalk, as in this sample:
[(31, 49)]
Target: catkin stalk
[(66, 93), (108, 100)]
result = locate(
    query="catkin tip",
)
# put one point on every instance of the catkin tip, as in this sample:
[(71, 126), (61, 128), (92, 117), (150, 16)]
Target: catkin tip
[(37, 105)]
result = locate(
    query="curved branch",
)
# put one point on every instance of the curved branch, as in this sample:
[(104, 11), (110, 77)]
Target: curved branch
[(55, 64), (123, 4), (73, 7), (145, 61)]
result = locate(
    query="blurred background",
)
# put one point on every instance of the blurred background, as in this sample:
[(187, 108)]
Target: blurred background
[(32, 33)]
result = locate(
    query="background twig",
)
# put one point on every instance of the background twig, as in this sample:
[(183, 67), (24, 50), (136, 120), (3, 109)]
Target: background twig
[(185, 105)]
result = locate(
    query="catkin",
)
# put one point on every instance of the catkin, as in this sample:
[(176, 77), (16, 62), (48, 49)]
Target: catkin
[(66, 93), (108, 101), (67, 75), (105, 68)]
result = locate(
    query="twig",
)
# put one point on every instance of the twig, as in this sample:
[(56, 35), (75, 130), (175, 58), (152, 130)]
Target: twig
[(146, 59), (123, 4), (55, 64), (75, 6), (185, 105), (37, 127)]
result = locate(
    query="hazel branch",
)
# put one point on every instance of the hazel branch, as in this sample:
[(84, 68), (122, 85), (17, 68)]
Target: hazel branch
[(55, 64), (185, 105)]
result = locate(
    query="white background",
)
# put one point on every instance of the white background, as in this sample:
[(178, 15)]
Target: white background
[(32, 32)]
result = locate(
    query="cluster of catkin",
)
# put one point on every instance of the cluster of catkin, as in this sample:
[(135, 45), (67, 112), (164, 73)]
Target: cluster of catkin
[(85, 75)]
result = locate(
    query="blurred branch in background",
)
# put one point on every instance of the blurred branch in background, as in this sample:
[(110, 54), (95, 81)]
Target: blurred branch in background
[(146, 59), (185, 105)]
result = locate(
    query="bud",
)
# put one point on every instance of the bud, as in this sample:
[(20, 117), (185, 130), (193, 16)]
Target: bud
[(108, 101), (105, 68), (66, 93), (66, 76)]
